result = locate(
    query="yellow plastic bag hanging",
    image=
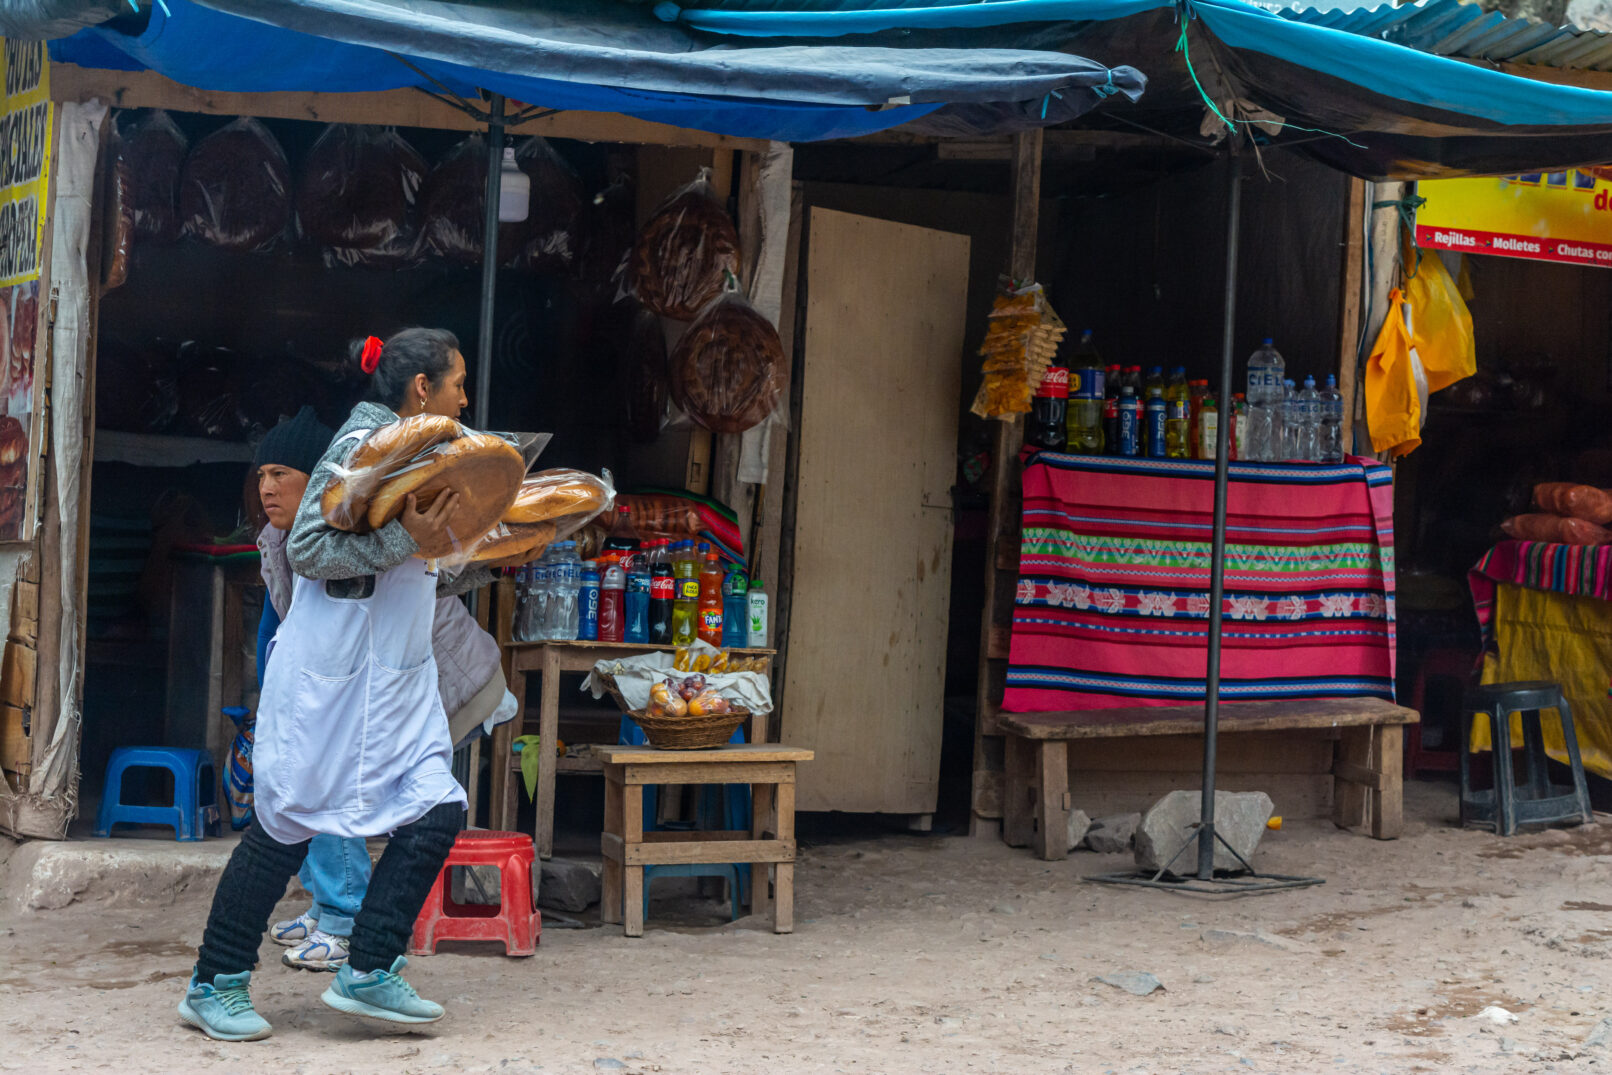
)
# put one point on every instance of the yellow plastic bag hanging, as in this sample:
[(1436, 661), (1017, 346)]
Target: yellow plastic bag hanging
[(1396, 386), (1442, 325)]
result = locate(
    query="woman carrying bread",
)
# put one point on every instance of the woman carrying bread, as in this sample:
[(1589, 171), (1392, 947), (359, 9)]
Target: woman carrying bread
[(352, 740), (470, 683)]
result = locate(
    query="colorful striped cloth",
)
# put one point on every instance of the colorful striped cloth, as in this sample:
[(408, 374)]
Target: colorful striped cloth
[(1112, 607), (1576, 570)]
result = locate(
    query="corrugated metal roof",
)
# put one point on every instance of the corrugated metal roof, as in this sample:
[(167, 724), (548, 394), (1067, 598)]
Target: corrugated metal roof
[(1466, 31)]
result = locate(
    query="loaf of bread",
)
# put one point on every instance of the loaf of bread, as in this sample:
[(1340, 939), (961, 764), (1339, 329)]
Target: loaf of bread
[(235, 188), (483, 469), (1579, 501), (513, 544), (345, 503), (727, 370), (551, 495), (684, 253), (1556, 529)]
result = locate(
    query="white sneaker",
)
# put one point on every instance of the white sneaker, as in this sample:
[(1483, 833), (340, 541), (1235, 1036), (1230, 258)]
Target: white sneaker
[(294, 931), (322, 951)]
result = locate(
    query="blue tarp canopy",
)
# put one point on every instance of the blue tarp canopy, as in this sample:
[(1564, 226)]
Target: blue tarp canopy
[(1372, 107), (593, 56)]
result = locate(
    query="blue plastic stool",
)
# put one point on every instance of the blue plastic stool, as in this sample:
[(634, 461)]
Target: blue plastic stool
[(190, 816), (735, 814)]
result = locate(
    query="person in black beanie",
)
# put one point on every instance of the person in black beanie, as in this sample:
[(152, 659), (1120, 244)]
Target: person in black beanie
[(285, 459)]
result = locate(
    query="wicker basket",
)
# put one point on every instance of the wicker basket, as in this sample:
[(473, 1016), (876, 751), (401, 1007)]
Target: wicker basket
[(690, 733)]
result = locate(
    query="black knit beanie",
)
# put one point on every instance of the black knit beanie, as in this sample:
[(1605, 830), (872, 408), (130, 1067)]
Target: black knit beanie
[(298, 443)]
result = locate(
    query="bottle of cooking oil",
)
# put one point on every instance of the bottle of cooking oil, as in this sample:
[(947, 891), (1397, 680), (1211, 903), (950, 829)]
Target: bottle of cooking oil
[(1085, 412), (1177, 416)]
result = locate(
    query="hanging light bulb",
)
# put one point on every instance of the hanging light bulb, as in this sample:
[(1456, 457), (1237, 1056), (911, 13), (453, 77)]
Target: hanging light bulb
[(515, 190)]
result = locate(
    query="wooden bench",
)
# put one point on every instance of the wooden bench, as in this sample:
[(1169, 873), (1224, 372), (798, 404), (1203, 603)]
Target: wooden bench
[(1366, 766)]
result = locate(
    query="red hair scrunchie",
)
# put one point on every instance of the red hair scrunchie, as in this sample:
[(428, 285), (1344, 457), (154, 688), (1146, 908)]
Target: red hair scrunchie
[(370, 359)]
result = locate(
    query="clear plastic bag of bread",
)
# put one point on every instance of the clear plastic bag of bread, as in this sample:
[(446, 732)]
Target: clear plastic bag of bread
[(154, 148), (662, 516), (1578, 501), (425, 456), (727, 371), (356, 195), (453, 202), (235, 189), (567, 499), (550, 238), (1556, 529), (684, 253), (117, 235)]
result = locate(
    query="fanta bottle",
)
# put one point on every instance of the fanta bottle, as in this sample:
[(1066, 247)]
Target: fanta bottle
[(711, 600)]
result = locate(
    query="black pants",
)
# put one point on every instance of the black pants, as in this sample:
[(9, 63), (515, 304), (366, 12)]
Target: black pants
[(261, 867)]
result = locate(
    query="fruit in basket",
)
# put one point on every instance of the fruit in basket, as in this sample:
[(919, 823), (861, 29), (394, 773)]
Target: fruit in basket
[(692, 686)]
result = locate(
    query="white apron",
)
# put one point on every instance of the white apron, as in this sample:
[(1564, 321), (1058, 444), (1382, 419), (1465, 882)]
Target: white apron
[(351, 736)]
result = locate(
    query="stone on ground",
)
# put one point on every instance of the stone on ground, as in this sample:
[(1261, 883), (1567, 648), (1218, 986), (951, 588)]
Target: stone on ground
[(1240, 817), (1112, 835), (1079, 822), (569, 884)]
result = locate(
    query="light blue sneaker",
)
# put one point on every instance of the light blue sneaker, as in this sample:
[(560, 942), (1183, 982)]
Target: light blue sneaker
[(380, 994), (223, 1011)]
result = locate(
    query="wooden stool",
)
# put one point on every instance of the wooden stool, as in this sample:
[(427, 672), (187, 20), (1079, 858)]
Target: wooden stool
[(768, 768)]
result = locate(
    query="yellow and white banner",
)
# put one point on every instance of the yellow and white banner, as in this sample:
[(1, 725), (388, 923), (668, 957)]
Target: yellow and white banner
[(24, 160), (1551, 216)]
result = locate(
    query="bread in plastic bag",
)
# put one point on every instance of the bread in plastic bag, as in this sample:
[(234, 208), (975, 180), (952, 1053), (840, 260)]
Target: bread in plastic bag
[(210, 393), (154, 149), (373, 458), (570, 499), (1579, 501), (662, 516), (685, 253), (117, 237), (136, 388), (356, 195), (235, 190), (1556, 529), (550, 238), (727, 371), (452, 206), (484, 469), (608, 239), (512, 544), (647, 390)]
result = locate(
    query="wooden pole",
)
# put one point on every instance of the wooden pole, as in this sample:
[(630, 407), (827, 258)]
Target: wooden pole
[(1352, 284), (1002, 526), (1384, 243)]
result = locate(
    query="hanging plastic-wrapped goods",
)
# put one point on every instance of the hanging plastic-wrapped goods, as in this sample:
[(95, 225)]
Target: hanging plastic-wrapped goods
[(117, 238), (235, 190), (684, 253), (550, 238), (727, 371), (356, 195), (609, 237), (646, 375), (154, 149)]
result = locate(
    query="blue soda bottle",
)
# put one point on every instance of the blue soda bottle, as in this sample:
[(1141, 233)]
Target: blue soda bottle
[(588, 603), (637, 628)]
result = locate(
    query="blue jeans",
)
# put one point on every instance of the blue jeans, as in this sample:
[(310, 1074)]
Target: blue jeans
[(336, 872)]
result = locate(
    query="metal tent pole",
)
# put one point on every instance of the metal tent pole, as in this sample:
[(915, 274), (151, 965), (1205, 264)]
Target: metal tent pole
[(1217, 564), (489, 258)]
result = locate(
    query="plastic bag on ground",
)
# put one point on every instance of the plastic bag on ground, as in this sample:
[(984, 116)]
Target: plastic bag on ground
[(356, 195), (685, 253), (235, 189), (154, 149), (727, 371)]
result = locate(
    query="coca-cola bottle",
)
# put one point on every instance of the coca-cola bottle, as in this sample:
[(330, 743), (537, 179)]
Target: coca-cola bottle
[(1049, 409), (662, 592)]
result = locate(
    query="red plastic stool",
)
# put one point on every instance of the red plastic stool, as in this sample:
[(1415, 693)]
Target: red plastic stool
[(515, 921)]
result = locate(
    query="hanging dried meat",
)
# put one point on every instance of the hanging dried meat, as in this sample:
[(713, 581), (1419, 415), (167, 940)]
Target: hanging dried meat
[(356, 195), (682, 256), (235, 190), (646, 375), (550, 238), (727, 370), (154, 150)]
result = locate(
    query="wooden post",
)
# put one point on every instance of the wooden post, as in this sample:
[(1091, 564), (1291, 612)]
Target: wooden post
[(1385, 257), (1002, 524), (1353, 277)]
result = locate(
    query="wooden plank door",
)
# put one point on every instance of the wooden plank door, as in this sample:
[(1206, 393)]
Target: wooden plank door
[(865, 676)]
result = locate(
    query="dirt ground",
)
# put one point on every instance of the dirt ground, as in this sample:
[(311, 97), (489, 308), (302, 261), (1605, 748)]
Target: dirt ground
[(929, 954)]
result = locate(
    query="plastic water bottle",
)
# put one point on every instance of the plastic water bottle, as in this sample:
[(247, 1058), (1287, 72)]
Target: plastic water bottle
[(564, 582), (735, 609), (1290, 422), (612, 588), (1307, 407), (523, 598), (1331, 401), (637, 607), (538, 595), (1265, 377), (588, 603)]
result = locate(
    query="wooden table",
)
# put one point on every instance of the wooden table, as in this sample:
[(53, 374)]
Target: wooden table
[(1366, 767), (769, 769), (550, 660)]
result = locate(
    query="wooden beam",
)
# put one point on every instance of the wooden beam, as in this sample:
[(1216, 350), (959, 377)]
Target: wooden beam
[(1354, 267), (1002, 522), (1384, 240), (388, 108), (1054, 143)]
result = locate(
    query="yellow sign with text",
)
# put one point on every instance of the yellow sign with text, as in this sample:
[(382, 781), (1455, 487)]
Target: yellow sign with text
[(25, 115), (1552, 216)]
